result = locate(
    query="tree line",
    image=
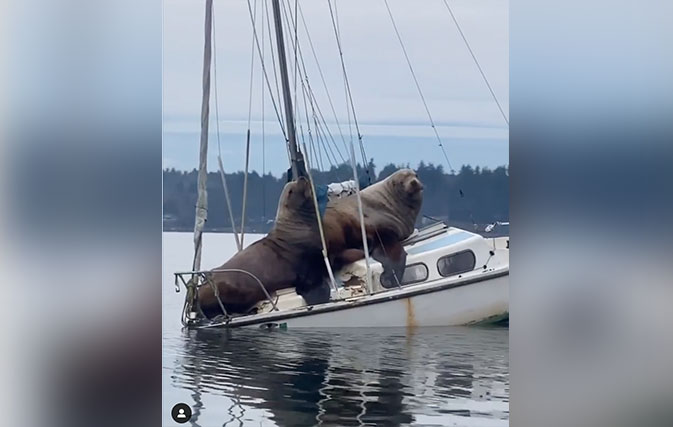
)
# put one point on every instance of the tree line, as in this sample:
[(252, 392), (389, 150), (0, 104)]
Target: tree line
[(469, 198)]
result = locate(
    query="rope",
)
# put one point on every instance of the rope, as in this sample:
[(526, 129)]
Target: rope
[(315, 106), (263, 132), (418, 86), (385, 254), (322, 78), (273, 58), (296, 65), (245, 187), (483, 75), (228, 200), (308, 126), (322, 233), (219, 147), (247, 142), (252, 67), (349, 96), (259, 282), (216, 292), (362, 221), (266, 76)]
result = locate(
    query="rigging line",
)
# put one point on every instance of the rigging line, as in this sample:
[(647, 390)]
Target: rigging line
[(298, 120), (322, 76), (326, 132), (418, 86), (217, 112), (325, 145), (296, 65), (474, 57), (306, 88), (291, 42), (308, 127), (349, 97), (343, 69), (263, 131), (273, 58), (247, 142), (219, 150), (288, 20), (266, 77), (314, 102), (252, 67), (308, 121), (337, 32), (322, 232), (319, 152), (316, 106)]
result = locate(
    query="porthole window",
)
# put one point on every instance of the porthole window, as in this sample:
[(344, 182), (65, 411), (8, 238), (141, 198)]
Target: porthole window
[(413, 273), (457, 263)]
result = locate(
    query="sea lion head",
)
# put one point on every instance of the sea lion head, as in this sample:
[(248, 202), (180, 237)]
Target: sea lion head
[(296, 199), (405, 184)]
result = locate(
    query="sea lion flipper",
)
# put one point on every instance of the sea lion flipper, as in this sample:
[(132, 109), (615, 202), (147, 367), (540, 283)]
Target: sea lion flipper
[(393, 258)]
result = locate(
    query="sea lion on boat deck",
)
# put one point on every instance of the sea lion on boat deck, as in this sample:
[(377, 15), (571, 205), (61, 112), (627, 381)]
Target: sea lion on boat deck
[(390, 208), (290, 255)]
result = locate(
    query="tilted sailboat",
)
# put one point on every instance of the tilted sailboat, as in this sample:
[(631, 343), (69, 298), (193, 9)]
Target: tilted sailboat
[(452, 276)]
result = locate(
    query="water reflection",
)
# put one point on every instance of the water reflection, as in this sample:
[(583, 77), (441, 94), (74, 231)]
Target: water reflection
[(440, 376)]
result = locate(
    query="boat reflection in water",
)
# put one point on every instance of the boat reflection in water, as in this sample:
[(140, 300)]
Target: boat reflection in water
[(440, 376)]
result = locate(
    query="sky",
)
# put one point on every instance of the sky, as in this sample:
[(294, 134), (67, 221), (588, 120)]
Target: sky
[(392, 118)]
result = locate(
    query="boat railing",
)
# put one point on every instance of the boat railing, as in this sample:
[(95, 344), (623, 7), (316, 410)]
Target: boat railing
[(193, 280), (425, 233)]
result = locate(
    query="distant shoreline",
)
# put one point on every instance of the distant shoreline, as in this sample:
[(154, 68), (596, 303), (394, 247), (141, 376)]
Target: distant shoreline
[(461, 198)]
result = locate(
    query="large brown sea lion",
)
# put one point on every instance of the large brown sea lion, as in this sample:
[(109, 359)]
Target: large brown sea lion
[(390, 208), (290, 255)]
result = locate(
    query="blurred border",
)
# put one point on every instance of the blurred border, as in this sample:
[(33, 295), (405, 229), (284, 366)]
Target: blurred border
[(81, 211), (590, 148)]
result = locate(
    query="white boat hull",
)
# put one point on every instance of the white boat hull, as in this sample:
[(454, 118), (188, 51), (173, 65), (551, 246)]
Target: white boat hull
[(461, 305), (477, 298)]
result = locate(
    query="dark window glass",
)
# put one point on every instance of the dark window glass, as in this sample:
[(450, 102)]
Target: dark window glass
[(413, 273), (457, 263)]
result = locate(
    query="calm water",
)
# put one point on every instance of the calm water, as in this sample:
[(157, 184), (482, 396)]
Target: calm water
[(430, 376)]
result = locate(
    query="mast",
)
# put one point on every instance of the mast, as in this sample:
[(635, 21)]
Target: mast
[(298, 167), (202, 199)]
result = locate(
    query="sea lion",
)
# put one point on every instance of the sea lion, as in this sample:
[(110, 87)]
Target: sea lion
[(390, 208), (290, 255)]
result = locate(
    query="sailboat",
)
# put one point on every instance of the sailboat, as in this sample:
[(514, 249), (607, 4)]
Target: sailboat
[(452, 276)]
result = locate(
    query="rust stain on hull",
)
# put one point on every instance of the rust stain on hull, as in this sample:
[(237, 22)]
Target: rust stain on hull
[(411, 316)]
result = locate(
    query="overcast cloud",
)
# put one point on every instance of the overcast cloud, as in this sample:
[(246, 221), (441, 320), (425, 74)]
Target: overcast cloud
[(393, 120)]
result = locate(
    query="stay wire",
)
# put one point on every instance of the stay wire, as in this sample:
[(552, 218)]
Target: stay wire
[(322, 77), (418, 86), (273, 59), (337, 34), (266, 76), (474, 57), (314, 103)]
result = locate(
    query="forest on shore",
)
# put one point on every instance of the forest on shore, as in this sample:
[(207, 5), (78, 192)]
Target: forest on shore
[(468, 198)]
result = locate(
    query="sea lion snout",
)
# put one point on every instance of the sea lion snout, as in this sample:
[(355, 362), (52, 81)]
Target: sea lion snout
[(413, 186), (304, 184), (298, 194)]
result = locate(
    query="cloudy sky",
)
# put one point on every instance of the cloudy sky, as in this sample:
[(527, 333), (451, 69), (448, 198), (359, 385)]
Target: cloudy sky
[(392, 117)]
